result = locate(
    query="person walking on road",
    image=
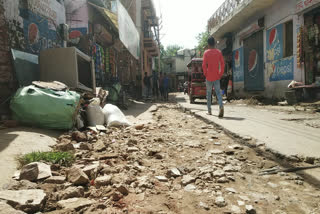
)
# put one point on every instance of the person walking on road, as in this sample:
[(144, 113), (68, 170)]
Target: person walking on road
[(213, 68), (147, 85), (161, 85), (155, 85), (165, 83)]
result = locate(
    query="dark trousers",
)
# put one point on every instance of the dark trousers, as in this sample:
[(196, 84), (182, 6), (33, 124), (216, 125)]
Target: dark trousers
[(165, 93)]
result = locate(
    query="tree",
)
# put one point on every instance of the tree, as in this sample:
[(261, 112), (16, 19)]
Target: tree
[(202, 42), (172, 50)]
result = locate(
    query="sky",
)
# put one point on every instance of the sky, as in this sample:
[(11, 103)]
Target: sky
[(183, 20)]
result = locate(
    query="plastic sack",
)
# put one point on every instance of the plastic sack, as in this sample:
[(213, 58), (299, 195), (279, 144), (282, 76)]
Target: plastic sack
[(45, 108), (114, 116), (95, 114)]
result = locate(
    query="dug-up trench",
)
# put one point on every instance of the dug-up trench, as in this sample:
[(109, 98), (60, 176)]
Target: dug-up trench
[(176, 163)]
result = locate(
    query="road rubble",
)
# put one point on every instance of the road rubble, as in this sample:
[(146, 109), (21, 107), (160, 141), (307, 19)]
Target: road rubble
[(174, 164)]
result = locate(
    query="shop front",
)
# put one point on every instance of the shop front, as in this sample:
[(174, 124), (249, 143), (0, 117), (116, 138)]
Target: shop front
[(311, 46), (308, 48)]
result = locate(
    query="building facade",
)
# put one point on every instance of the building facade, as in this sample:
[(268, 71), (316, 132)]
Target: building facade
[(268, 44), (96, 27)]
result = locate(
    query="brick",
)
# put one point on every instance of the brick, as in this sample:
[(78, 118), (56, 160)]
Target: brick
[(4, 57)]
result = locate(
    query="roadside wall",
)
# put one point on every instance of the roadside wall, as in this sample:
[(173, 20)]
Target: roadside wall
[(29, 26), (279, 71)]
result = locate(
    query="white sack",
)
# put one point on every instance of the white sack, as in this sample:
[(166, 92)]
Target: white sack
[(95, 114), (114, 116)]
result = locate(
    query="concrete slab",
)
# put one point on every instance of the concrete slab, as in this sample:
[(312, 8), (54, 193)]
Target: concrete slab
[(274, 128), (21, 140)]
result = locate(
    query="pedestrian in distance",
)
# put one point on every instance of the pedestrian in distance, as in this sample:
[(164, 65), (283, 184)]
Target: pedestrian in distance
[(155, 85), (161, 85), (213, 69), (165, 87), (147, 85)]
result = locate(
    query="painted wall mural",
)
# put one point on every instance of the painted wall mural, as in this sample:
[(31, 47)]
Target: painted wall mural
[(237, 64), (275, 43), (38, 34), (281, 69), (33, 26)]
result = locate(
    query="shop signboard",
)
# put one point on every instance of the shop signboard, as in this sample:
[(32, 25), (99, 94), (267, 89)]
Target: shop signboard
[(237, 64), (275, 43), (304, 4), (281, 69), (128, 32)]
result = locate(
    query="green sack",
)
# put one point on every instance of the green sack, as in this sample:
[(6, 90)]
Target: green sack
[(45, 108)]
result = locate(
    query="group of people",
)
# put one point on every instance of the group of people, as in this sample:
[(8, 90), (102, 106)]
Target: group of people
[(156, 85)]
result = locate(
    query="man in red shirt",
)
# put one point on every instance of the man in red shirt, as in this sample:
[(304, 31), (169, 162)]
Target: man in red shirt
[(213, 68)]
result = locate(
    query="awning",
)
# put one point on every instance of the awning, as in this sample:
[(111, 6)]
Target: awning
[(108, 15)]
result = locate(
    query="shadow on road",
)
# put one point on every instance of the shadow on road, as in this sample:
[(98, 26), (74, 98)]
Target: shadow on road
[(10, 134), (137, 108), (232, 118)]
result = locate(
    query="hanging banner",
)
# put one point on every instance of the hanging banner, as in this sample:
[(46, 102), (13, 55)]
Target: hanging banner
[(304, 4), (128, 32), (275, 43)]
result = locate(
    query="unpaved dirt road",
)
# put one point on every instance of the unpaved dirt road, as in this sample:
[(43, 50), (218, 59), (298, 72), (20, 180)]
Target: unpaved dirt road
[(176, 163)]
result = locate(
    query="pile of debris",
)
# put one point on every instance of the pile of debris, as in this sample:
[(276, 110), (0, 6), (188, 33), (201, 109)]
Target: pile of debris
[(119, 170), (53, 105)]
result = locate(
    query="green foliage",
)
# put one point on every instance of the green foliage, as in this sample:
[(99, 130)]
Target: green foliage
[(61, 158), (171, 50), (202, 42)]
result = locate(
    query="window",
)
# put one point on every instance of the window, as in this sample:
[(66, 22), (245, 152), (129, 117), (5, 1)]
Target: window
[(288, 42)]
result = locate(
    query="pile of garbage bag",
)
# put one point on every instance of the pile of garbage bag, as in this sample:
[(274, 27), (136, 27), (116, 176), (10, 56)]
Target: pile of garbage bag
[(54, 106)]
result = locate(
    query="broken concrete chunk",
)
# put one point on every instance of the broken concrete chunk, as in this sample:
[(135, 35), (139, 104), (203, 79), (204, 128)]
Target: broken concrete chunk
[(231, 190), (190, 188), (219, 173), (75, 203), (90, 169), (220, 202), (30, 201), (162, 178), (79, 136), (77, 176), (35, 171), (204, 205), (139, 127), (123, 190), (71, 192), (20, 185), (250, 209), (132, 149), (99, 146), (235, 209), (230, 168), (103, 181), (187, 179), (7, 209), (174, 172), (56, 180), (65, 147)]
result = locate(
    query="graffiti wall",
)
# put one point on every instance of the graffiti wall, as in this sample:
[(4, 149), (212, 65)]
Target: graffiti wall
[(33, 24), (278, 68), (281, 69), (237, 64), (77, 19), (275, 43)]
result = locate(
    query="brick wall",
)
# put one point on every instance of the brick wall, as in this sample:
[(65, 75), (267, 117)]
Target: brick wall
[(7, 86)]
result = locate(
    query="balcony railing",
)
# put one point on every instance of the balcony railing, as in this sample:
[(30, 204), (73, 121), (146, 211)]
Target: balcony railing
[(226, 10)]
